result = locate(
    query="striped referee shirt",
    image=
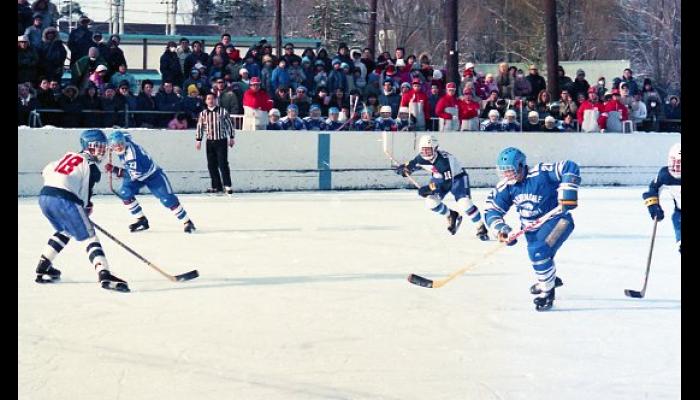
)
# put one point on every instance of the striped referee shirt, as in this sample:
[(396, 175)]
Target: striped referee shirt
[(215, 124)]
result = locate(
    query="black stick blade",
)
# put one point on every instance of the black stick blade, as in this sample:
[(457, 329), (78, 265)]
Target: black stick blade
[(187, 276), (420, 281), (633, 293)]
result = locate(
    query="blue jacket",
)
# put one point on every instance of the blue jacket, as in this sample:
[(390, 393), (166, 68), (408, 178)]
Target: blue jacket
[(280, 77)]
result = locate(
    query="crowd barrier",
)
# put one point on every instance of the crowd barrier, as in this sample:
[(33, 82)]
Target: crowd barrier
[(308, 160)]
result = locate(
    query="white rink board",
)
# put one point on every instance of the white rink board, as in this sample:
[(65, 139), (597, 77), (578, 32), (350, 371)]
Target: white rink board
[(289, 160), (304, 296)]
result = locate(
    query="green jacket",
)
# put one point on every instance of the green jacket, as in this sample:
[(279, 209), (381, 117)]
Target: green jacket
[(81, 68)]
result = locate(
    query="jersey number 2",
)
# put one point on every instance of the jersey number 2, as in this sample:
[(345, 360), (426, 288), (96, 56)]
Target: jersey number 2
[(68, 163)]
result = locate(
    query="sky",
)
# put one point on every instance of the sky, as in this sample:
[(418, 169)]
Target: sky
[(143, 11)]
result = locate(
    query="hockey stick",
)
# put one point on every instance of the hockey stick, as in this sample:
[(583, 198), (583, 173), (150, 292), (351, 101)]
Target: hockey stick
[(428, 283), (177, 278), (110, 174), (394, 162), (633, 293)]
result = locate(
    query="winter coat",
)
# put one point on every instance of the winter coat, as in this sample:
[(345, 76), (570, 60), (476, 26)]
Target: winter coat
[(27, 65), (49, 15), (52, 55), (118, 78), (467, 109), (336, 79), (280, 77), (538, 84), (192, 106), (89, 119), (417, 96), (589, 125), (71, 108), (522, 88), (388, 124), (445, 102), (194, 58), (146, 103), (609, 108), (257, 100), (115, 104), (578, 86), (281, 103), (265, 80), (631, 84), (253, 69), (296, 76), (170, 68), (114, 57), (81, 70), (34, 35), (24, 18), (229, 101), (79, 42), (505, 85), (392, 99)]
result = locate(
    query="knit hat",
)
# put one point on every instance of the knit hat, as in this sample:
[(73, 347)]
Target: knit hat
[(451, 85), (437, 74), (406, 84), (192, 89), (241, 71), (468, 66), (254, 80), (100, 68)]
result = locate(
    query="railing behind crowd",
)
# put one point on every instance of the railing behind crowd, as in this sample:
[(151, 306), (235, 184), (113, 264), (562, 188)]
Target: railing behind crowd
[(127, 116)]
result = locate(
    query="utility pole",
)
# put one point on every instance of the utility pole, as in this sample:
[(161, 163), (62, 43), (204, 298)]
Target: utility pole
[(372, 35), (452, 54), (121, 16), (278, 27), (550, 21)]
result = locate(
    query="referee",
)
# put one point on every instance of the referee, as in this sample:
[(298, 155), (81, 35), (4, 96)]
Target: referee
[(214, 123)]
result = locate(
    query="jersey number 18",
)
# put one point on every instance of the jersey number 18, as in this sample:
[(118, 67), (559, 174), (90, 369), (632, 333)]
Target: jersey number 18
[(68, 163)]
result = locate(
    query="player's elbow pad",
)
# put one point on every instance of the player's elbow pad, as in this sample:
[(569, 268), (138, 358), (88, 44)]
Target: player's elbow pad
[(650, 201)]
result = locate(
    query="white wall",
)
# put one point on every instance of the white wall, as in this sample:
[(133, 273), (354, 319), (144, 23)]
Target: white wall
[(274, 160)]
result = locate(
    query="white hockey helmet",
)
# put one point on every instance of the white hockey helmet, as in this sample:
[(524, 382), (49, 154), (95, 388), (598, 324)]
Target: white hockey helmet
[(510, 113), (674, 161), (275, 112), (494, 114), (549, 121), (385, 109), (427, 145)]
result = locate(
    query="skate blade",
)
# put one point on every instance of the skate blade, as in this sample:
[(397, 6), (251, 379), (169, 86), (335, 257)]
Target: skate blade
[(46, 279), (116, 286)]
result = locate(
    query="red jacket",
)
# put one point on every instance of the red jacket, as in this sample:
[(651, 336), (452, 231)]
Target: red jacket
[(468, 110), (416, 96), (444, 102), (587, 105), (257, 100), (612, 105)]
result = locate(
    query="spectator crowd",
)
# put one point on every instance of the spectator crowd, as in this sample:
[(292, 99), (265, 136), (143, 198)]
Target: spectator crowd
[(317, 90)]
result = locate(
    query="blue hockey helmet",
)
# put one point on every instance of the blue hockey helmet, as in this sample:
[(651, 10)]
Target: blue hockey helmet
[(315, 107), (117, 141), (511, 163), (292, 107), (333, 110), (93, 142)]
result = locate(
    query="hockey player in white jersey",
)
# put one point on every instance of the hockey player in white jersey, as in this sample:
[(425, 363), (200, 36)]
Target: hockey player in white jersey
[(65, 202), (448, 176), (667, 179), (140, 170)]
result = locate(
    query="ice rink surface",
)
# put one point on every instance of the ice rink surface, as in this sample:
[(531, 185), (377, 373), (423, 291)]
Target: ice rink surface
[(304, 296)]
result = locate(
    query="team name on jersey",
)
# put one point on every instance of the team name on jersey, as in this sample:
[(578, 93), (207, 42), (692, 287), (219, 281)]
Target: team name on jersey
[(527, 197)]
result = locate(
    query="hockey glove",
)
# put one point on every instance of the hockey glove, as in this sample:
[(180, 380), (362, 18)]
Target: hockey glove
[(403, 170), (655, 210), (119, 172), (427, 190), (503, 232)]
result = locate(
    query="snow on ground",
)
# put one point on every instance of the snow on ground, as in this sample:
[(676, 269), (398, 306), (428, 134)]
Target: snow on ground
[(304, 296)]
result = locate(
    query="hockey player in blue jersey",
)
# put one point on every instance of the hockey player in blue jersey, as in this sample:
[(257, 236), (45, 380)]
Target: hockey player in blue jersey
[(291, 122), (140, 170), (384, 122), (314, 122), (535, 191), (448, 176), (65, 200), (669, 179), (332, 123)]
